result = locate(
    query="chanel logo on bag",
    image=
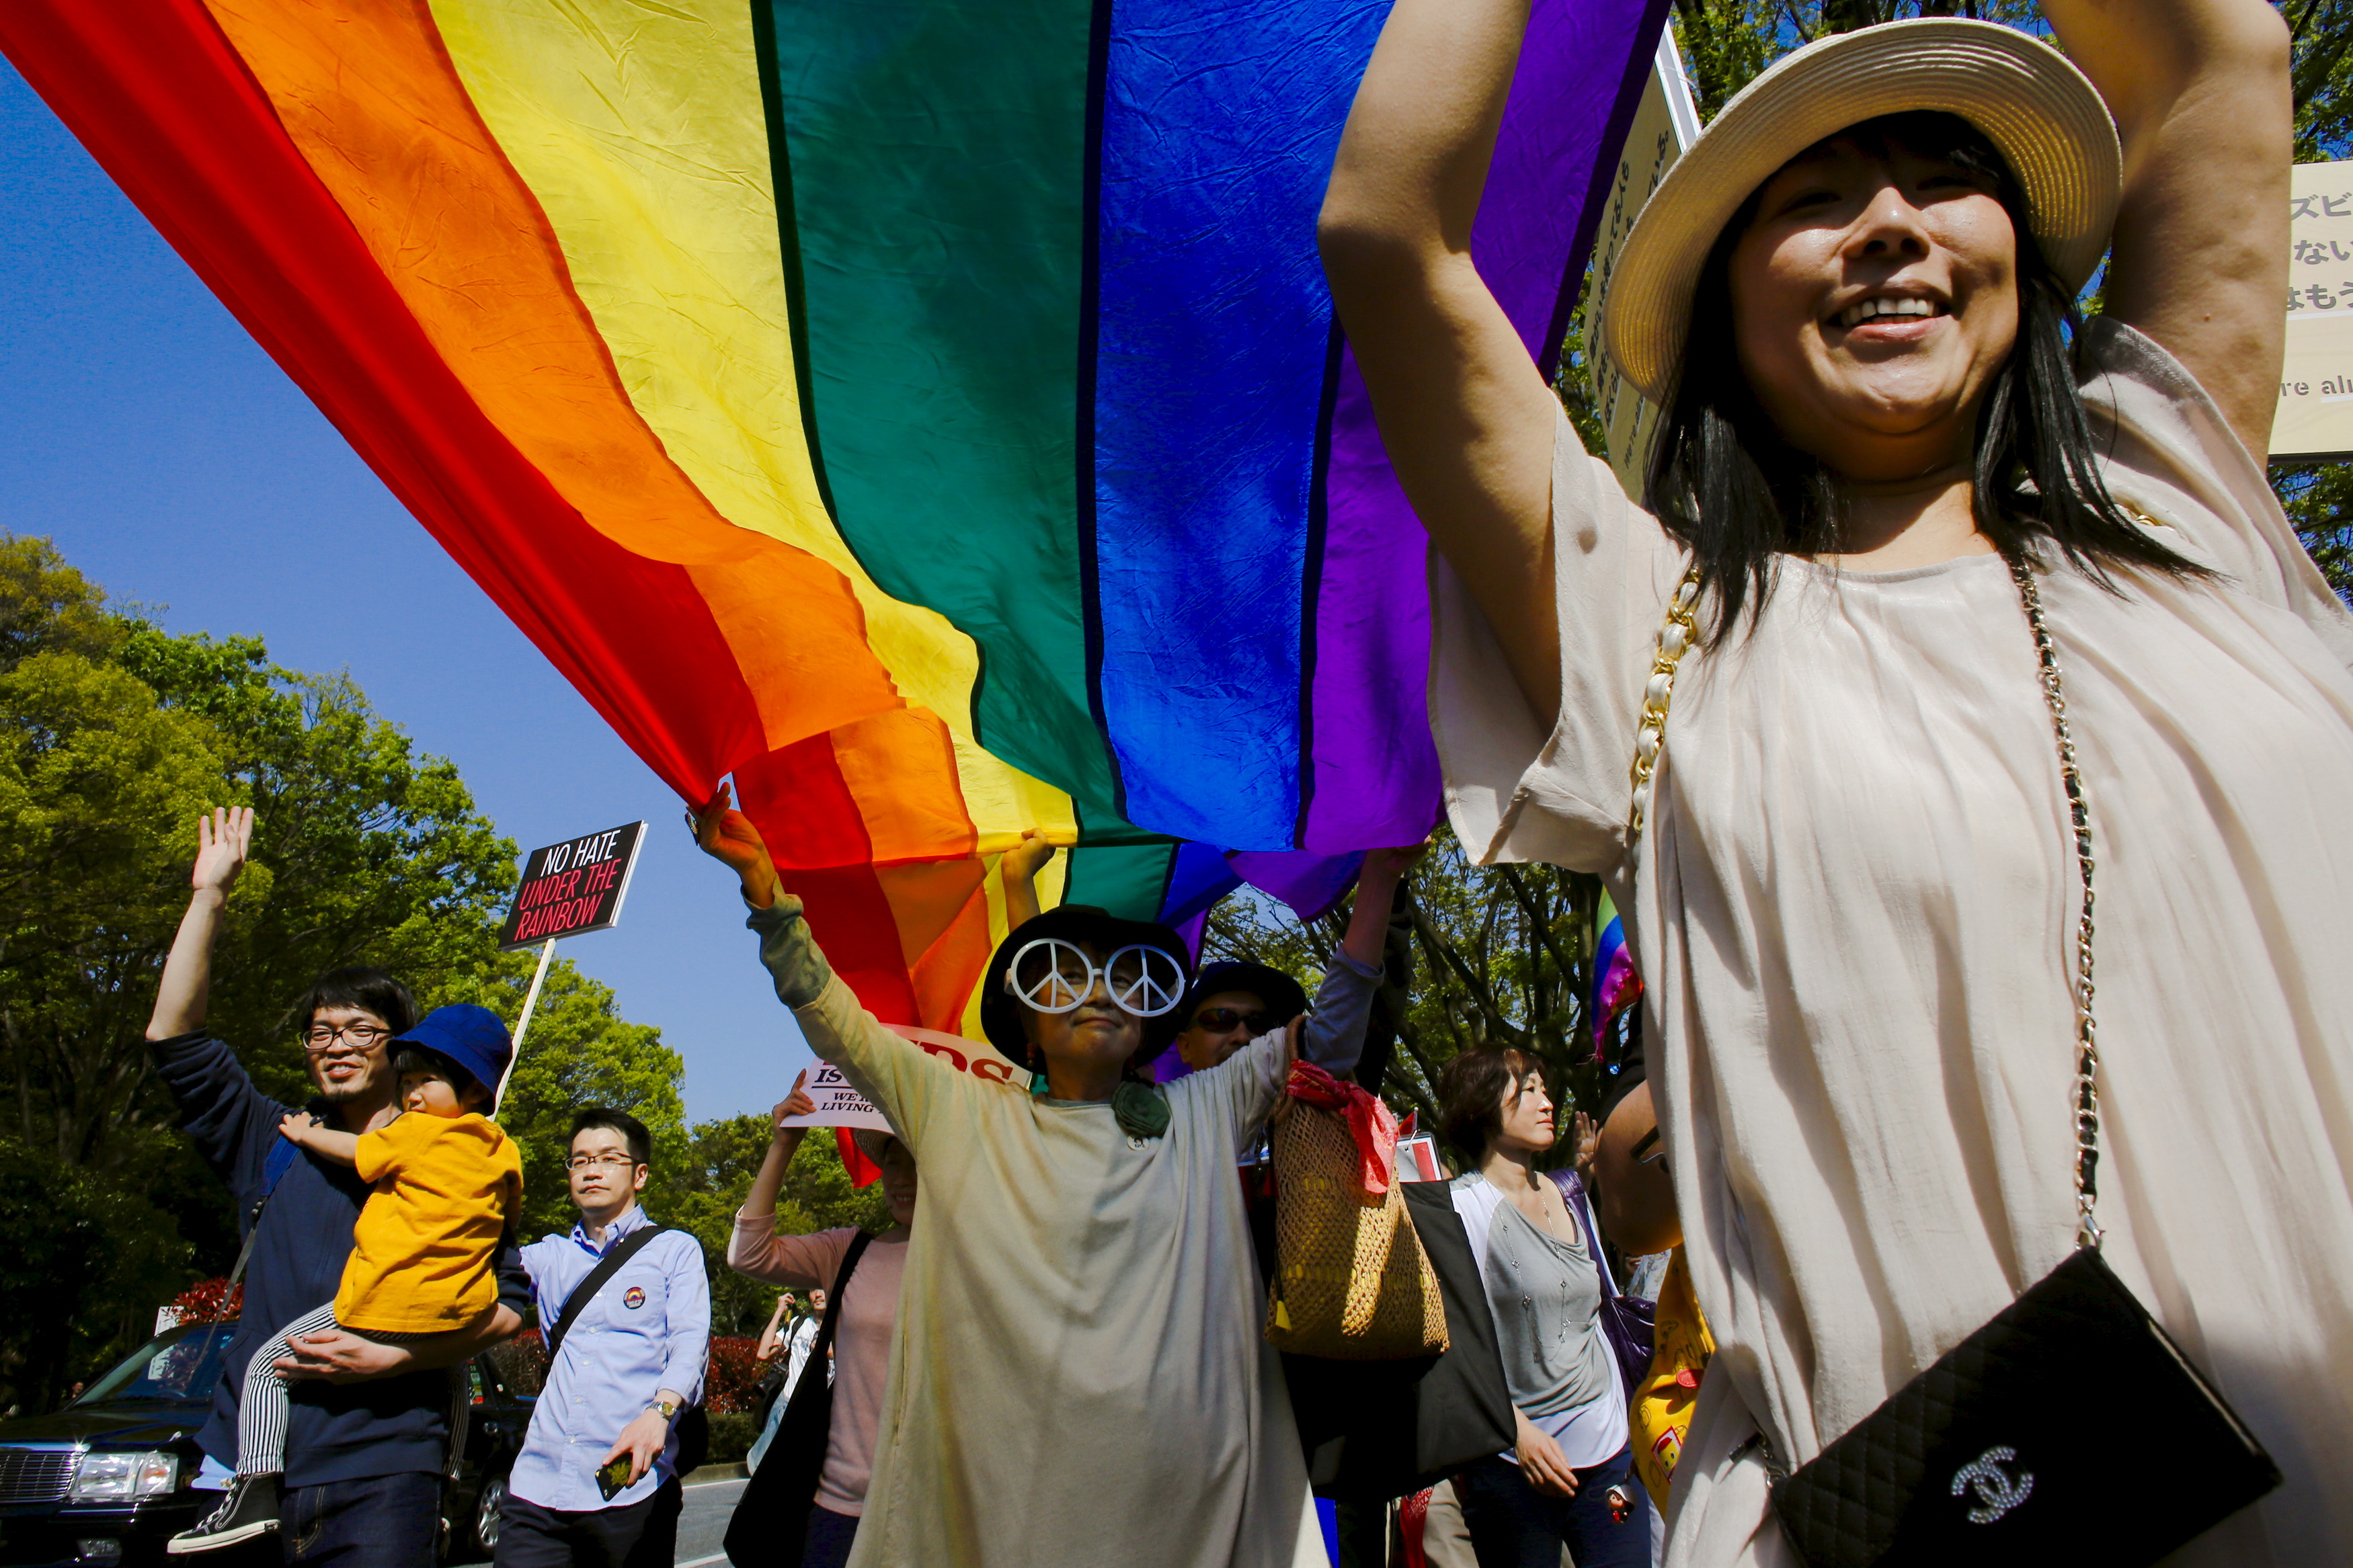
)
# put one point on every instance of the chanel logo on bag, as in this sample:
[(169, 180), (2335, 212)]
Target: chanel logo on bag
[(1997, 1490)]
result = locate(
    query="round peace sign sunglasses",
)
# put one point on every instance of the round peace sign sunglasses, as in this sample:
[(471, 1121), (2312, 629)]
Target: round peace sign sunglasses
[(1054, 976)]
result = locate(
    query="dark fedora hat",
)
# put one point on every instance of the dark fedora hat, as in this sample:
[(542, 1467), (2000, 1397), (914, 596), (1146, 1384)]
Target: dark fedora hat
[(1284, 997)]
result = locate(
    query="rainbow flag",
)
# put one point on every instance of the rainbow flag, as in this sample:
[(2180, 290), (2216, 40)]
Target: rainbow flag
[(930, 414), (1616, 985)]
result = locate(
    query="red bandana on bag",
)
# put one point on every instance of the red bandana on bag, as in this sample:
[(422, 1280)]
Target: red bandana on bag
[(1372, 1123)]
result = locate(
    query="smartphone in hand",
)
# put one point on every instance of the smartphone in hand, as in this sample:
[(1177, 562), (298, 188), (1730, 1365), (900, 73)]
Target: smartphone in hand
[(613, 1479)]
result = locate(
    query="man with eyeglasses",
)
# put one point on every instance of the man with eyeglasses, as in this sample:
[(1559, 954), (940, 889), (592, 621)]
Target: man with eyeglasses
[(367, 1441), (629, 1364)]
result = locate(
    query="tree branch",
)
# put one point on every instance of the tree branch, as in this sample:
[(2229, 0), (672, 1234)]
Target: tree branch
[(1536, 921), (1441, 952)]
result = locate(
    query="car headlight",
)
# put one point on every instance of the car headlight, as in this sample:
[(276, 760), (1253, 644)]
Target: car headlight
[(123, 1477)]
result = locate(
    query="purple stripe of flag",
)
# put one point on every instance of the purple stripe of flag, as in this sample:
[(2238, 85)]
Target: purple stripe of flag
[(1375, 772)]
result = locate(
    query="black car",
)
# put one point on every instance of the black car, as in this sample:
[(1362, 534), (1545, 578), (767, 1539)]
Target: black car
[(108, 1480)]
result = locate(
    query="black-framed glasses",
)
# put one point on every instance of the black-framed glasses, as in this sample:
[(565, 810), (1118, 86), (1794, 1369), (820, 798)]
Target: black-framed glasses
[(610, 1162), (1217, 1020), (320, 1038)]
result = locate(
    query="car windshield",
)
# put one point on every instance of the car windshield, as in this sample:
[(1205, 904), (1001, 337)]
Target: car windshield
[(177, 1364)]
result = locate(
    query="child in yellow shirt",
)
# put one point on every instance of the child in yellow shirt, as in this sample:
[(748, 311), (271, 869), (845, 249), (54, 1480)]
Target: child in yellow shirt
[(448, 1182)]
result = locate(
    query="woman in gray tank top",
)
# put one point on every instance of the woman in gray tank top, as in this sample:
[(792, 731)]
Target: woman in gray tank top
[(1568, 1480)]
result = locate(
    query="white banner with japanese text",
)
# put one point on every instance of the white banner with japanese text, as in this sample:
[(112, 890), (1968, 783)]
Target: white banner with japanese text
[(2315, 406)]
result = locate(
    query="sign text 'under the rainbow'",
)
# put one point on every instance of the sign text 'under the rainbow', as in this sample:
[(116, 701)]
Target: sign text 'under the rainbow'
[(573, 886)]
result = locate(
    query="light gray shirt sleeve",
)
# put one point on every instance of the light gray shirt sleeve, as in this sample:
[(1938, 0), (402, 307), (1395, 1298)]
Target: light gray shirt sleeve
[(1335, 1035)]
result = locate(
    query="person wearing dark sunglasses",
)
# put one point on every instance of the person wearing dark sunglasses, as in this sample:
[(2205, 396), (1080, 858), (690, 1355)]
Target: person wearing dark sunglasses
[(1231, 1004), (1234, 1002)]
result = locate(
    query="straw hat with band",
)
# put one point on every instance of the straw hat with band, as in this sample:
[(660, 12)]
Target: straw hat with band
[(870, 1140), (2048, 122)]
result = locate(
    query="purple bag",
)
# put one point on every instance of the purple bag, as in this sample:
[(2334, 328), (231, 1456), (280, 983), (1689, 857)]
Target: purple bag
[(1630, 1322)]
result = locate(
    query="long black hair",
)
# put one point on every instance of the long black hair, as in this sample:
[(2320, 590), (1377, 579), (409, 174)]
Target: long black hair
[(1726, 484)]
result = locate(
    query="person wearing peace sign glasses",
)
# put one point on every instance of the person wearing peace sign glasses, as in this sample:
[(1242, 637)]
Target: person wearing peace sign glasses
[(1079, 1374)]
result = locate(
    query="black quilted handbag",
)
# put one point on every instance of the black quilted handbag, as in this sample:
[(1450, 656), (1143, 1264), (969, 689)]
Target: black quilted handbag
[(1976, 1461)]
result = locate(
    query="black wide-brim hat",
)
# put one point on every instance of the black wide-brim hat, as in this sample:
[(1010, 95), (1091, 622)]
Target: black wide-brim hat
[(1284, 997), (1001, 1011)]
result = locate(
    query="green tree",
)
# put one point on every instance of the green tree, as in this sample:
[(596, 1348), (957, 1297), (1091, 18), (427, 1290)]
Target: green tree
[(91, 1255), (100, 785), (1501, 956), (113, 735)]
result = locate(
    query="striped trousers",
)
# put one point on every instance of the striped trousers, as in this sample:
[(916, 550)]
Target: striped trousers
[(262, 1407)]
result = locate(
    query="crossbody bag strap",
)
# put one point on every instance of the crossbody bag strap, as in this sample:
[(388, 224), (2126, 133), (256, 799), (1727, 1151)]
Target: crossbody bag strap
[(1678, 631), (817, 1346), (1580, 1213), (274, 1166), (628, 1247)]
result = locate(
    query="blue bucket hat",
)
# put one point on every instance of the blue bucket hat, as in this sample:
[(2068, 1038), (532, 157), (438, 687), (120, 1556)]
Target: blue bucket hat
[(472, 1038)]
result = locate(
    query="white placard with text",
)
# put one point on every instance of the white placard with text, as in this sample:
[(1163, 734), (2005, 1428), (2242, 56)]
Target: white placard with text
[(2315, 406), (839, 1105)]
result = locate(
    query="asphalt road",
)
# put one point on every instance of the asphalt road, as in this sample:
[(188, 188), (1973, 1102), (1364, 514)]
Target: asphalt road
[(702, 1526)]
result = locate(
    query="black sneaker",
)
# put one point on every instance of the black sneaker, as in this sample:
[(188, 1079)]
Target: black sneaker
[(251, 1508)]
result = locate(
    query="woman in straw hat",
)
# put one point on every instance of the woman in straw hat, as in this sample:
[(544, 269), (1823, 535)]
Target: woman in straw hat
[(1839, 826)]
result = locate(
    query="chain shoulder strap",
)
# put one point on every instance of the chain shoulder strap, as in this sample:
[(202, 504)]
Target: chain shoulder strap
[(1677, 632), (2087, 1039)]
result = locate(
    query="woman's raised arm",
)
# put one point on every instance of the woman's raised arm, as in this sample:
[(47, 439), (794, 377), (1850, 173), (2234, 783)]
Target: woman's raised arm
[(893, 1072), (1467, 420), (2199, 91), (783, 1143)]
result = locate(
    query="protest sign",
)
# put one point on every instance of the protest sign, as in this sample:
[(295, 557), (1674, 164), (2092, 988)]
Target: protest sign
[(573, 886), (569, 888), (2316, 404), (1665, 122), (839, 1105)]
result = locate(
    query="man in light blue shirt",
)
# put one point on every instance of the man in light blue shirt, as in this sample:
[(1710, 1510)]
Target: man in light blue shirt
[(630, 1362)]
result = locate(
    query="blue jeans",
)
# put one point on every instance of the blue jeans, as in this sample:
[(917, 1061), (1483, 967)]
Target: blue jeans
[(1512, 1525), (376, 1521), (767, 1430)]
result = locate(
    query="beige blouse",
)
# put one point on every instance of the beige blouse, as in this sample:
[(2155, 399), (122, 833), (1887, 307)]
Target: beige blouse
[(1855, 907)]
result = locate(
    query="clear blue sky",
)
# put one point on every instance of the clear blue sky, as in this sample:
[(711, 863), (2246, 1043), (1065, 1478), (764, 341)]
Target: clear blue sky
[(175, 464)]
